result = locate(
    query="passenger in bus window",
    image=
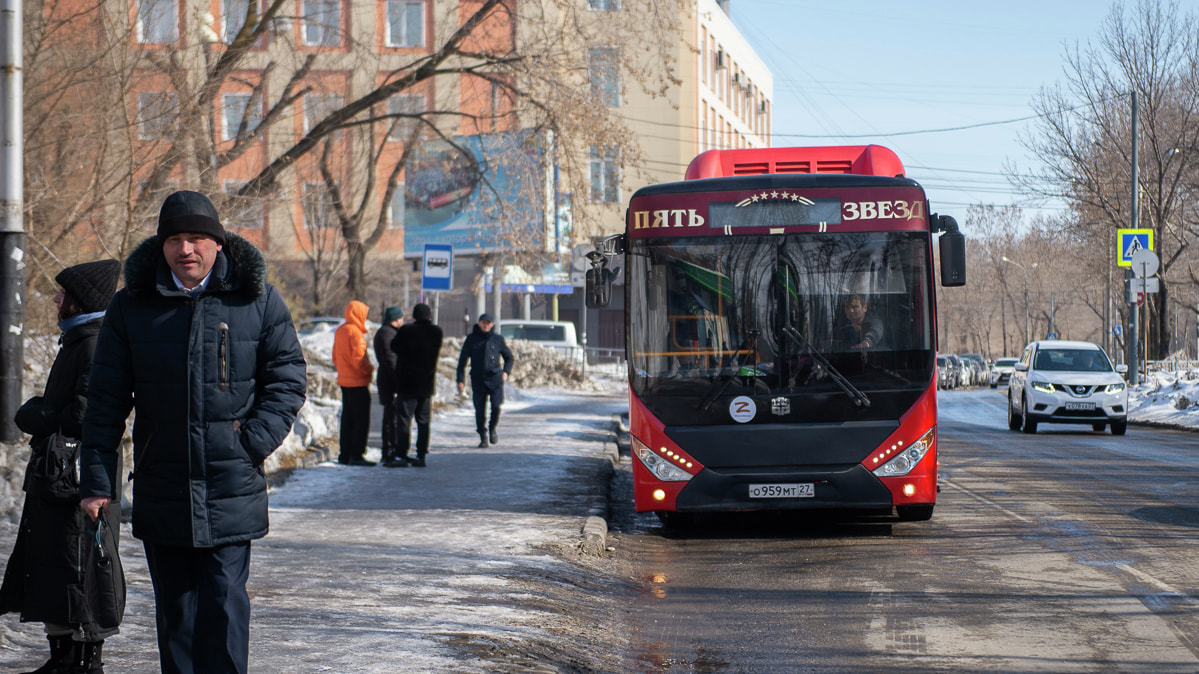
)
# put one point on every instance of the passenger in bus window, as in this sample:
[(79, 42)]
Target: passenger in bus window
[(858, 330)]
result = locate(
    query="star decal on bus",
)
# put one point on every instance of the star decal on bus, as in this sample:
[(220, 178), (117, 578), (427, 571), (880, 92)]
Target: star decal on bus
[(775, 196)]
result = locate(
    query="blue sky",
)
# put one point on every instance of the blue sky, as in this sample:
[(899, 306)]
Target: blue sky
[(875, 71)]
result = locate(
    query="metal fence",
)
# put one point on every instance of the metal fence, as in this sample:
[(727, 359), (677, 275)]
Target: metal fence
[(1171, 365)]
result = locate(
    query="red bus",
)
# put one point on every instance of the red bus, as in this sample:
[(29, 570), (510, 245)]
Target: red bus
[(781, 333)]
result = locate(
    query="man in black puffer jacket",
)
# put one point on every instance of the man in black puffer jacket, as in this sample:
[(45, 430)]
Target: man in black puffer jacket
[(485, 348), (206, 353)]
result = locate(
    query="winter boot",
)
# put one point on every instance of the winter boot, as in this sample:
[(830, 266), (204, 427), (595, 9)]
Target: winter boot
[(92, 662), (65, 656), (482, 441), (493, 437)]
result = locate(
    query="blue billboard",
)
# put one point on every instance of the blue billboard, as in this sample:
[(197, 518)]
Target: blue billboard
[(477, 193)]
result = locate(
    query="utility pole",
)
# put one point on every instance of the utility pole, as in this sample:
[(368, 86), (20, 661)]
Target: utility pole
[(12, 229), (1134, 334)]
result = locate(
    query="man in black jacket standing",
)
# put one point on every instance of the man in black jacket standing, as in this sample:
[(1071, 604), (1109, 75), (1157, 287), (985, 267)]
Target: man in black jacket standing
[(385, 381), (485, 348), (46, 557), (206, 353), (417, 346)]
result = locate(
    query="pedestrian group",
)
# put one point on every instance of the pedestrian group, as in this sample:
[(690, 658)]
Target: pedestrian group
[(204, 353)]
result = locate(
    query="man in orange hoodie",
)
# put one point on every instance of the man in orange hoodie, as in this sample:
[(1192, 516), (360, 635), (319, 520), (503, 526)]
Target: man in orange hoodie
[(354, 372)]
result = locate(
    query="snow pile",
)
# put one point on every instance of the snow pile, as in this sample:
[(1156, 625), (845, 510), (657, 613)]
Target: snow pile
[(1169, 398)]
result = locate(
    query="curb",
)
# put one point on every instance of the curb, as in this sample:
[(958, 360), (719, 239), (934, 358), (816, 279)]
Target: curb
[(595, 526)]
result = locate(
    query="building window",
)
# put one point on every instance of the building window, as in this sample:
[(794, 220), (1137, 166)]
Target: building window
[(156, 112), (603, 5), (322, 22), (157, 21), (604, 67), (605, 175), (233, 17), (405, 23), (317, 107), (236, 110), (242, 212), (317, 203), (397, 208), (404, 104)]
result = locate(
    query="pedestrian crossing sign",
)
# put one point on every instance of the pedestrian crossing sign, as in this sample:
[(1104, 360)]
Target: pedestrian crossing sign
[(1129, 241)]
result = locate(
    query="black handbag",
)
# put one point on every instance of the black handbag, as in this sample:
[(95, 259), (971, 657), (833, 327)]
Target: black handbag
[(100, 598), (53, 470)]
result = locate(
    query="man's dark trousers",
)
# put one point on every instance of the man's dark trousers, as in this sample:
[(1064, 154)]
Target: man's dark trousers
[(202, 609), (355, 422), (391, 430), (420, 409), (480, 395)]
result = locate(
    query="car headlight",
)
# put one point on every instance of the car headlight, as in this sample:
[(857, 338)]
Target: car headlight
[(1043, 386), (661, 466), (1114, 388), (904, 459)]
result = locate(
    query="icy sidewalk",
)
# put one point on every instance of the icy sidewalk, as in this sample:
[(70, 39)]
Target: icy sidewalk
[(463, 566)]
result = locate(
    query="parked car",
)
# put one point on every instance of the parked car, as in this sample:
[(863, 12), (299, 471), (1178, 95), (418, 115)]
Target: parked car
[(978, 368), (319, 324), (955, 369), (558, 335), (1065, 382), (1001, 371), (949, 371)]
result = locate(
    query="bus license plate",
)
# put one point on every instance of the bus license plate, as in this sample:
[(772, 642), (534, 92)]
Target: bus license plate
[(1080, 406), (787, 490)]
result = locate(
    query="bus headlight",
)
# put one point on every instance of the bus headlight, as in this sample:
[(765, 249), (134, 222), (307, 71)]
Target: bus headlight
[(660, 466), (903, 462)]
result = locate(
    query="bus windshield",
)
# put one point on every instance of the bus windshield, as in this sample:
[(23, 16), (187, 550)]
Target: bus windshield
[(802, 318)]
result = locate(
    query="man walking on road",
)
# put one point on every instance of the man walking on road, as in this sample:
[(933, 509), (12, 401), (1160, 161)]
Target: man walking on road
[(354, 371), (417, 347), (385, 380), (485, 348), (206, 353)]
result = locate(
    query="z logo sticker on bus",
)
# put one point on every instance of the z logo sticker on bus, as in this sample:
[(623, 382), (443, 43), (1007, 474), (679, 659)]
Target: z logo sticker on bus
[(743, 409), (897, 209)]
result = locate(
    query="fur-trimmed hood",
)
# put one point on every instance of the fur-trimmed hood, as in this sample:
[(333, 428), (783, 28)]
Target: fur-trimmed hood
[(240, 267)]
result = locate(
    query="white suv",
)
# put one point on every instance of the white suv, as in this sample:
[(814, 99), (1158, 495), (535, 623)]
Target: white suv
[(1060, 382)]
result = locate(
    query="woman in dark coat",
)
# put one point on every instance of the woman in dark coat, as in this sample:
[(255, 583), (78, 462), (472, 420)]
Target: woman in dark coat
[(45, 560)]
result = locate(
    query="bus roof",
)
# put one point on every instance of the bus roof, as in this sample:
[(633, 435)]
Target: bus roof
[(874, 160)]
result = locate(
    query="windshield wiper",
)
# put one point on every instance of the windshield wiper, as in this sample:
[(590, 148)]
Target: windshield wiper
[(749, 345), (852, 391)]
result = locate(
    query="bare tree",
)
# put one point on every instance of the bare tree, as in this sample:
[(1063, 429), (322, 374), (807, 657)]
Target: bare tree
[(1084, 138)]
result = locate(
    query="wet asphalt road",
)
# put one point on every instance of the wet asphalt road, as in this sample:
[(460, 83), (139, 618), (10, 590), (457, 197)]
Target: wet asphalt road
[(1064, 551)]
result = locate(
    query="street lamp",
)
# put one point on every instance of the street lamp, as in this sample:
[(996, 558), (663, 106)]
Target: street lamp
[(1005, 258)]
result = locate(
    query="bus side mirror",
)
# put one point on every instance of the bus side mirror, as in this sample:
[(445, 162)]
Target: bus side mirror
[(598, 281), (953, 252), (599, 287)]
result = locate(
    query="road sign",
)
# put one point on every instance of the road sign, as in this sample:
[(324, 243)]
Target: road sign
[(1129, 241), (1142, 285), (1145, 263), (437, 272)]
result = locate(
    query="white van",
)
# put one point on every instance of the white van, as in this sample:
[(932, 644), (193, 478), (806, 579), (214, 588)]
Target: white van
[(558, 335)]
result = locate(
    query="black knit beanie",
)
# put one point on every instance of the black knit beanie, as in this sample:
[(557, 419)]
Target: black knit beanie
[(187, 212), (422, 312), (92, 284)]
